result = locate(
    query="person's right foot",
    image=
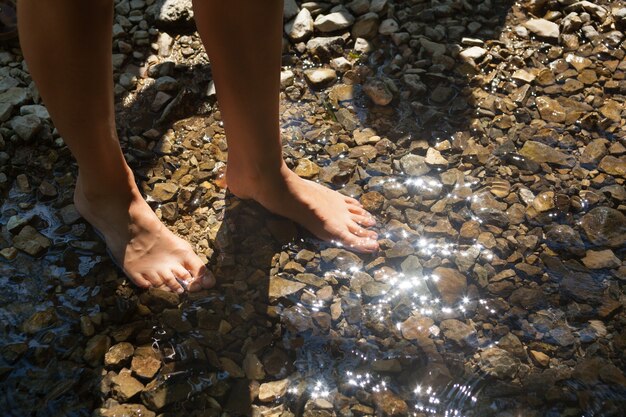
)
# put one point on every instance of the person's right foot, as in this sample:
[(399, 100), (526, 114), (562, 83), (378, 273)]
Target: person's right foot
[(147, 251)]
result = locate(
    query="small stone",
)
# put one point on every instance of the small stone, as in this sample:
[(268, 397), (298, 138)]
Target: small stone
[(125, 410), (433, 48), (498, 363), (145, 366), (124, 386), (320, 76), (9, 253), (69, 214), (434, 158), (271, 391), (459, 333), (302, 26), (539, 152), (613, 165), (414, 165), (601, 259), (362, 46), (540, 357), (36, 109), (119, 354), (550, 109), (290, 9), (39, 321), (281, 287), (450, 283), (334, 21), (543, 28), (372, 201), (366, 26), (378, 92), (306, 168), (388, 26), (27, 126), (390, 404), (474, 52), (253, 367), (605, 226), (31, 241), (96, 347), (544, 201), (416, 327), (164, 191), (232, 368), (172, 12)]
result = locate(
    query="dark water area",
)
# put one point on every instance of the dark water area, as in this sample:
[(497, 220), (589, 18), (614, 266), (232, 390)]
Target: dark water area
[(496, 176)]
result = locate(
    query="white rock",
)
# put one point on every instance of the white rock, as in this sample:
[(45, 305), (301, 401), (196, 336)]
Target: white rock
[(543, 28), (301, 27), (388, 26), (320, 76), (286, 78), (340, 64), (475, 52), (362, 46), (333, 21)]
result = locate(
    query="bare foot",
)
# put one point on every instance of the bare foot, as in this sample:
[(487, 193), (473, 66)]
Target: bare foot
[(147, 251), (327, 214)]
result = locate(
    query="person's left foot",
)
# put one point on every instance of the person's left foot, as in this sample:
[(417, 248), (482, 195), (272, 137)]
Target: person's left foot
[(328, 214)]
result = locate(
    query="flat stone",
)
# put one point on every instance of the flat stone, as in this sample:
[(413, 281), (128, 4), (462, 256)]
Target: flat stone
[(539, 152), (474, 52), (172, 12), (145, 366), (601, 259), (378, 92), (306, 168), (414, 165), (163, 192), (36, 109), (550, 109), (39, 320), (15, 96), (69, 214), (119, 354), (459, 333), (124, 386), (540, 357), (389, 404), (32, 242), (320, 76), (271, 391), (498, 363), (613, 165), (451, 284), (281, 287), (543, 28), (124, 410)]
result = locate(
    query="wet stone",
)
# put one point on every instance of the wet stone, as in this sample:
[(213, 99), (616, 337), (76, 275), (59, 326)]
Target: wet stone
[(450, 283), (124, 386), (539, 152), (31, 241), (372, 201), (378, 92), (119, 354), (390, 404), (145, 366), (414, 165), (459, 333), (499, 363), (605, 226), (613, 165), (164, 191), (270, 391), (320, 77), (39, 321), (601, 259), (26, 127), (96, 348), (550, 109), (281, 287), (125, 410)]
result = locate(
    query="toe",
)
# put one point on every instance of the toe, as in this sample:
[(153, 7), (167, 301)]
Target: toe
[(366, 221), (357, 230), (358, 210), (359, 244), (353, 201), (169, 280), (153, 278), (140, 281), (199, 272)]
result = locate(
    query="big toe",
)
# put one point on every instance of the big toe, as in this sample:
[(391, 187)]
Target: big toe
[(202, 278), (365, 241)]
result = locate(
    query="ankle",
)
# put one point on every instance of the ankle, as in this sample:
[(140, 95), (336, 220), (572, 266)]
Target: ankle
[(94, 188)]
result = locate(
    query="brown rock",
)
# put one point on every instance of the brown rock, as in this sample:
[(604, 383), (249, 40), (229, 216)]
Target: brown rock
[(270, 391), (550, 109), (451, 284), (390, 404), (416, 327), (601, 259)]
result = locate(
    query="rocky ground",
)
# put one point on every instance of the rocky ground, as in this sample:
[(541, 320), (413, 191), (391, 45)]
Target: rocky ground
[(487, 137)]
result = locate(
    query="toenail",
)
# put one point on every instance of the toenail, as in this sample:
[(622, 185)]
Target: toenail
[(180, 290)]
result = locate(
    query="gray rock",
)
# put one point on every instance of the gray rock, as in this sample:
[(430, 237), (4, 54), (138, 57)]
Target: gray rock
[(414, 165), (499, 363), (15, 96), (605, 226), (388, 26), (171, 12), (459, 333), (366, 26), (36, 109), (290, 9), (325, 47)]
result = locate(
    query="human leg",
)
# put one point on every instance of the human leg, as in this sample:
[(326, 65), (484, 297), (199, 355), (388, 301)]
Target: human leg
[(243, 39), (67, 45)]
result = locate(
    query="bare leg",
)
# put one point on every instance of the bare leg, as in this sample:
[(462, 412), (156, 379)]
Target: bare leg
[(67, 44), (243, 39)]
